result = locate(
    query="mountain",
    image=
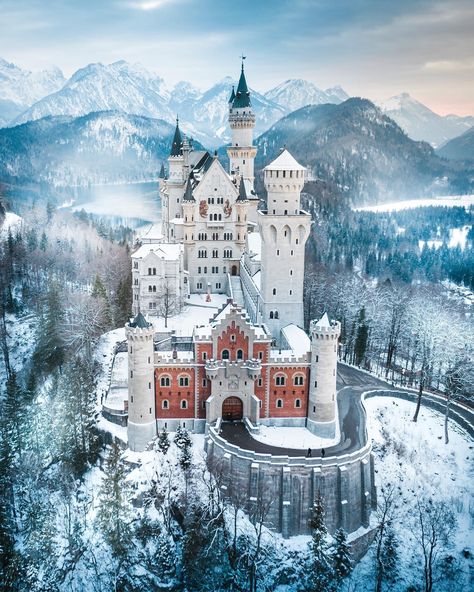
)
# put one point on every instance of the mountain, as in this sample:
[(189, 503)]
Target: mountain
[(104, 147), (21, 88), (420, 123), (294, 94), (116, 87), (460, 148), (133, 89), (362, 151)]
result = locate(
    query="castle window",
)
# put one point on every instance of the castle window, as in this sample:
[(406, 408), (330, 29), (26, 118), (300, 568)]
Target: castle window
[(260, 355), (228, 253), (165, 404), (286, 212), (149, 385), (297, 241), (298, 380), (280, 380), (184, 404), (199, 270), (202, 253), (291, 252), (149, 359), (297, 403), (276, 314), (271, 314), (291, 272), (240, 354), (149, 271), (131, 349), (317, 359), (274, 291), (218, 286), (335, 348), (291, 292), (278, 252), (154, 288), (215, 253), (154, 271), (315, 384), (135, 265), (199, 286), (131, 373), (204, 382), (184, 381), (279, 403), (260, 382), (225, 354), (165, 381), (205, 270)]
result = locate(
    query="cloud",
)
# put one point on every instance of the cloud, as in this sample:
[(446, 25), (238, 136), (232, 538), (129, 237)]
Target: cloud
[(147, 5), (450, 65)]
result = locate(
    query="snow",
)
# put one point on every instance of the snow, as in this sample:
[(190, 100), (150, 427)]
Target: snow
[(464, 201), (297, 339), (254, 245), (299, 438), (166, 251), (183, 323), (414, 458), (149, 233), (104, 355), (11, 222), (284, 161)]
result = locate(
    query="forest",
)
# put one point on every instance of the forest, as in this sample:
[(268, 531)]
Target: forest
[(77, 513)]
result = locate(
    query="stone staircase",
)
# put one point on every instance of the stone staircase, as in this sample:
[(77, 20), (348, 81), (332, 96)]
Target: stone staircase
[(237, 292)]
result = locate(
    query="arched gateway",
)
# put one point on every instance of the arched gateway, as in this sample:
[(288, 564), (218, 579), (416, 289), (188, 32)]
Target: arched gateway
[(232, 409)]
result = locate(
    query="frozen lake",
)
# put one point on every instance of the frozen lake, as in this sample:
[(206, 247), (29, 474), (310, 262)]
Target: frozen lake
[(131, 204), (446, 201)]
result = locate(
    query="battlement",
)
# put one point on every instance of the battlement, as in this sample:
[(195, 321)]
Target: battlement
[(214, 367), (325, 329)]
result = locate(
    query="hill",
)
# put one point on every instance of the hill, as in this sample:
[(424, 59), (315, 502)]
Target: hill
[(460, 148), (363, 152)]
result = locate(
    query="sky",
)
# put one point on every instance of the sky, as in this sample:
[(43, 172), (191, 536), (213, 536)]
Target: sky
[(372, 48)]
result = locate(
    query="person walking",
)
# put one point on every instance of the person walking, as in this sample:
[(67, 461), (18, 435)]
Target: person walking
[(323, 453), (309, 453)]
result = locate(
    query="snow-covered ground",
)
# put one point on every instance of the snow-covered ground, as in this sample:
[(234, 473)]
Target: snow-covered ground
[(196, 313), (457, 238), (299, 438), (414, 458), (449, 200), (12, 222)]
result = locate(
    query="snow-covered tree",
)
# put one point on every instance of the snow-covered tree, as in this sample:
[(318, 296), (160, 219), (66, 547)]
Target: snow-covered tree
[(163, 443), (341, 555), (321, 577)]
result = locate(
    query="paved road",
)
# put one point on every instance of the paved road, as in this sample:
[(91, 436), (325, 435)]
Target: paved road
[(351, 384)]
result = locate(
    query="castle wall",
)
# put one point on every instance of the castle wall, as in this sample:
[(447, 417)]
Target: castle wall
[(290, 484)]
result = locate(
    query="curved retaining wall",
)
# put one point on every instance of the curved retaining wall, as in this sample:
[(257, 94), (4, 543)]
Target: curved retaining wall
[(289, 485)]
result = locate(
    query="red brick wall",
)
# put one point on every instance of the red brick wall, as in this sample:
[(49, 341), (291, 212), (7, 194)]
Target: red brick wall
[(204, 392), (289, 392), (224, 341), (174, 393)]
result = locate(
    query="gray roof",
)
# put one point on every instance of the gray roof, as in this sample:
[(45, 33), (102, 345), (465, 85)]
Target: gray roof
[(139, 322), (188, 194), (177, 144), (242, 96), (242, 191)]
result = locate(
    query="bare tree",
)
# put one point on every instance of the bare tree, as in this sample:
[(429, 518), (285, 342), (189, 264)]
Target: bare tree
[(435, 525), (168, 301)]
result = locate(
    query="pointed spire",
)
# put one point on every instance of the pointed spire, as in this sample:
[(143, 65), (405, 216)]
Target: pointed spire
[(177, 145), (242, 191), (242, 96), (232, 95), (162, 172), (188, 194), (139, 322)]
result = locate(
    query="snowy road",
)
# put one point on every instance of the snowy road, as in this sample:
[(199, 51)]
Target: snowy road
[(352, 383)]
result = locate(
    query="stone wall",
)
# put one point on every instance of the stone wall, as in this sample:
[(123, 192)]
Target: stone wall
[(289, 485)]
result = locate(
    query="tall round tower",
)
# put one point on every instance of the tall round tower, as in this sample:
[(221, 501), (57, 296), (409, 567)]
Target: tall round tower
[(141, 391), (172, 195), (242, 122), (322, 402)]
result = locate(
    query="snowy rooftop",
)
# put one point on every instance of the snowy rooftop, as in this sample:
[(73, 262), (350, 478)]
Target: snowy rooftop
[(297, 340), (284, 162), (150, 233), (168, 251)]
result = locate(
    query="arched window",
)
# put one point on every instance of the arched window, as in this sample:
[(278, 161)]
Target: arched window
[(184, 404), (297, 403), (280, 379), (202, 253), (271, 314), (240, 354), (165, 381), (298, 380), (225, 354), (149, 288), (279, 403), (274, 291), (154, 288), (276, 314), (165, 404), (184, 381), (215, 253)]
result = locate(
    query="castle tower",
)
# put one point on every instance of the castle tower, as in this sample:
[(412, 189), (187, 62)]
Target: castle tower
[(284, 228), (171, 196), (242, 122), (141, 390), (322, 391)]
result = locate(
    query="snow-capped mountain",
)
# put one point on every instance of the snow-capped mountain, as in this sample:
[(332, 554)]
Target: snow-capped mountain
[(294, 94), (420, 123), (21, 88), (119, 86)]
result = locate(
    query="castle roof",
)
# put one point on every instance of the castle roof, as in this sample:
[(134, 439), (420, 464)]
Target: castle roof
[(232, 96), (324, 321), (177, 144), (242, 96), (284, 162), (139, 322), (242, 191), (188, 194)]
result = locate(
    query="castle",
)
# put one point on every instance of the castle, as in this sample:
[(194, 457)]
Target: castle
[(252, 360)]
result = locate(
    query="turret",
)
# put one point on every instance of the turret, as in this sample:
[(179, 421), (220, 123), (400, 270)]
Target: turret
[(178, 162), (141, 389), (322, 403), (242, 122), (284, 229)]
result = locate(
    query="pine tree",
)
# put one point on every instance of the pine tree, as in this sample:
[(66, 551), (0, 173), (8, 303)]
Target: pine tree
[(123, 302), (50, 350), (322, 575), (113, 515), (341, 555), (99, 292), (166, 557), (43, 242), (390, 555), (163, 441), (360, 346), (182, 438)]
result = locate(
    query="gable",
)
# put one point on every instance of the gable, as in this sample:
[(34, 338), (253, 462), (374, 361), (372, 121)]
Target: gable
[(216, 183)]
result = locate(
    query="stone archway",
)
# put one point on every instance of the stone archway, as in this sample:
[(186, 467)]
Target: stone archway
[(232, 409), (234, 270)]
